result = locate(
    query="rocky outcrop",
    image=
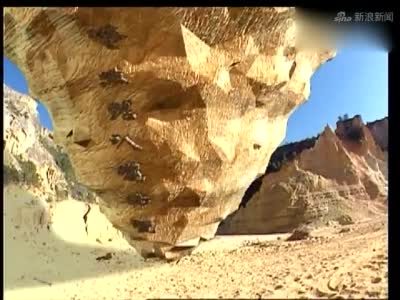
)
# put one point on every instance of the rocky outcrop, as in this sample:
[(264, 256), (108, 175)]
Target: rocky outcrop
[(282, 155), (336, 177), (162, 109), (31, 158), (288, 152), (23, 147), (380, 130)]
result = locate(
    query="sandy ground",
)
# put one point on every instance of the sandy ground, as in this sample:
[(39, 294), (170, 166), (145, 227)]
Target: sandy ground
[(62, 261)]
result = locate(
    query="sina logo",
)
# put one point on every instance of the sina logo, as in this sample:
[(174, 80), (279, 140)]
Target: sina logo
[(341, 17)]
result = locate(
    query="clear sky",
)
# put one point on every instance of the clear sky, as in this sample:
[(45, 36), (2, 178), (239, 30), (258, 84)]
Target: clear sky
[(14, 78), (354, 82)]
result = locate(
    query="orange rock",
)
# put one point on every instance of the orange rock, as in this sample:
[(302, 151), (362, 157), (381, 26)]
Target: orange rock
[(205, 92)]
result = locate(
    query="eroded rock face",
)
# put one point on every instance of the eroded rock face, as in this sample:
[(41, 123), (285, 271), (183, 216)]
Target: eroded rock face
[(380, 131), (168, 113), (31, 158), (24, 142), (336, 177)]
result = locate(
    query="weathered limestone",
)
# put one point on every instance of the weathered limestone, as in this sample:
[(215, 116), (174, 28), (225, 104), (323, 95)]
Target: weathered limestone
[(168, 113)]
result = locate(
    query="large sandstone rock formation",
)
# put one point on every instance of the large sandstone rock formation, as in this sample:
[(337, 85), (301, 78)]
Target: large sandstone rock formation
[(167, 113), (336, 177)]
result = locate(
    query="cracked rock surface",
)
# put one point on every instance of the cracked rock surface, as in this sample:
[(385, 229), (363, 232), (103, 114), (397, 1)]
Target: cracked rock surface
[(199, 98)]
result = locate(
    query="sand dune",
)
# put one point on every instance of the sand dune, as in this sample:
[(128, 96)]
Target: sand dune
[(63, 262)]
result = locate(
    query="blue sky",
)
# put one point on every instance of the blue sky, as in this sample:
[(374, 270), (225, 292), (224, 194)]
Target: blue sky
[(14, 78), (354, 82)]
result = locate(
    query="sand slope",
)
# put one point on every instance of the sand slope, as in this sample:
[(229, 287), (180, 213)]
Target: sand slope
[(42, 265)]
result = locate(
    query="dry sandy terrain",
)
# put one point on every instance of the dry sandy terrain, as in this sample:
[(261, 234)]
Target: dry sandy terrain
[(60, 262)]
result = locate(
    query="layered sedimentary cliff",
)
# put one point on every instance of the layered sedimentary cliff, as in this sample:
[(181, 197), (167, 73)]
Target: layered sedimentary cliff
[(167, 113), (380, 131), (280, 156), (335, 178)]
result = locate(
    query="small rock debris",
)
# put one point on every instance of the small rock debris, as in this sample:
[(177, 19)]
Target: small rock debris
[(299, 234), (343, 230), (345, 220), (376, 280), (108, 256)]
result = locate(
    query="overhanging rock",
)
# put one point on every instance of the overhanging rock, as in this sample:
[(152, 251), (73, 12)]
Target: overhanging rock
[(167, 113)]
